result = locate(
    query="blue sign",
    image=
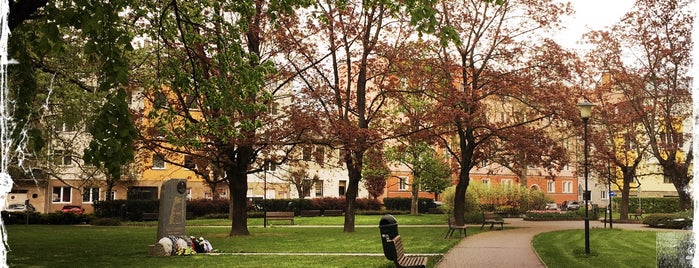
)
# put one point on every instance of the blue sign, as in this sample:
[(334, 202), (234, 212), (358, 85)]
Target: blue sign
[(611, 193)]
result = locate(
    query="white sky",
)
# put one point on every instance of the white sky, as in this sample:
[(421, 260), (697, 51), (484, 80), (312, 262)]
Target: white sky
[(591, 15)]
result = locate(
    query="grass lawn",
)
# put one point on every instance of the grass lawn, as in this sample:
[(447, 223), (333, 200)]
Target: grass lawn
[(127, 246), (608, 248)]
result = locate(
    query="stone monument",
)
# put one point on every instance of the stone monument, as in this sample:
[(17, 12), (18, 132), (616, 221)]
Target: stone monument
[(172, 212)]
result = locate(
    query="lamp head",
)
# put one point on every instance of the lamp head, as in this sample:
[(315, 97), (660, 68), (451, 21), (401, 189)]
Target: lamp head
[(585, 108)]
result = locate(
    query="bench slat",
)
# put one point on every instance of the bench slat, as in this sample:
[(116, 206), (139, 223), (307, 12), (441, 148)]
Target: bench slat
[(405, 261), (279, 215)]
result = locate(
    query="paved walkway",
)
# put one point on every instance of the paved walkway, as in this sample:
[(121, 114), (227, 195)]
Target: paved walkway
[(510, 247)]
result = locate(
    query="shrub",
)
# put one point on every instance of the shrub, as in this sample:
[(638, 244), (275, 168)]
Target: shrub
[(106, 222), (668, 220), (510, 199), (403, 203), (554, 215), (329, 203), (368, 204), (294, 205), (126, 209), (21, 218), (652, 204), (201, 207)]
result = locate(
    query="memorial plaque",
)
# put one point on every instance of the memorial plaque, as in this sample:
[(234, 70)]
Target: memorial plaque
[(173, 208)]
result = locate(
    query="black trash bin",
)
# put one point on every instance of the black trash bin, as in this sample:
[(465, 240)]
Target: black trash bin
[(389, 230)]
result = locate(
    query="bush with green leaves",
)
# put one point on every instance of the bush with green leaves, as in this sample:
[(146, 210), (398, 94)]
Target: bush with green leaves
[(669, 220), (403, 203), (511, 199), (652, 204)]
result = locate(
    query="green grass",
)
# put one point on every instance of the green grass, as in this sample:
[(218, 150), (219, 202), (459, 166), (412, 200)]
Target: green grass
[(127, 246), (608, 248)]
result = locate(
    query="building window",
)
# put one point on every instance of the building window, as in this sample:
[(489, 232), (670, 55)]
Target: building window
[(191, 102), (486, 182), (160, 100), (222, 192), (114, 193), (307, 153), (158, 162), (269, 166), (551, 186), (142, 193), (402, 184), (319, 188), (189, 193), (506, 183), (61, 194), (568, 187), (341, 188), (189, 162), (603, 195), (91, 195), (320, 155), (64, 126), (62, 158)]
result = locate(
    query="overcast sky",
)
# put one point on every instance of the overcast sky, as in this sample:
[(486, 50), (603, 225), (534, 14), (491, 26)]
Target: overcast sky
[(591, 15)]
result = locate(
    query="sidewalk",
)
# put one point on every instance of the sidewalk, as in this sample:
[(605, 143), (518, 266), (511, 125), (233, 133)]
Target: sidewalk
[(510, 247)]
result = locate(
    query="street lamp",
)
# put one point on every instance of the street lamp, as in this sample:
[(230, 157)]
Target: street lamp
[(585, 112)]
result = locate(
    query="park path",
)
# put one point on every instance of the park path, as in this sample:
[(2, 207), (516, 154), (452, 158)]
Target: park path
[(510, 247)]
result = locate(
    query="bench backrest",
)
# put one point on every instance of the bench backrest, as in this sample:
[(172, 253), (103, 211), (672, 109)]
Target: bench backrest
[(452, 222), (489, 216), (279, 214), (398, 243)]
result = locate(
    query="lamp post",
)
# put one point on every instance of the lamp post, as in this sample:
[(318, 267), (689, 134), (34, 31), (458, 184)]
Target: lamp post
[(609, 194), (585, 112), (264, 192)]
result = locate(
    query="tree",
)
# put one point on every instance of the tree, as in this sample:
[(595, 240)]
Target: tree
[(213, 89), (113, 134), (497, 63), (68, 60), (425, 166), (375, 172), (298, 176), (340, 56), (655, 83)]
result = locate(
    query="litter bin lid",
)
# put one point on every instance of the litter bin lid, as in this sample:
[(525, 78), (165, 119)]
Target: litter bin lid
[(387, 219)]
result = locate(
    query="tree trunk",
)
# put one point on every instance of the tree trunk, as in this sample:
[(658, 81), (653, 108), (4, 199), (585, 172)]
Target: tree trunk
[(624, 205), (460, 196), (354, 171), (414, 200), (238, 187)]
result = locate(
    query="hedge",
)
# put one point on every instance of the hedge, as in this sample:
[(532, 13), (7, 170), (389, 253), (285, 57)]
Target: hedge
[(652, 204), (133, 210), (126, 209), (55, 218), (668, 220), (567, 215), (403, 203)]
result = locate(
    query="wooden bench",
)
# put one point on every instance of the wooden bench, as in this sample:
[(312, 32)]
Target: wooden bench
[(492, 219), (279, 215), (310, 213), (453, 227), (406, 261), (333, 212), (638, 214)]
